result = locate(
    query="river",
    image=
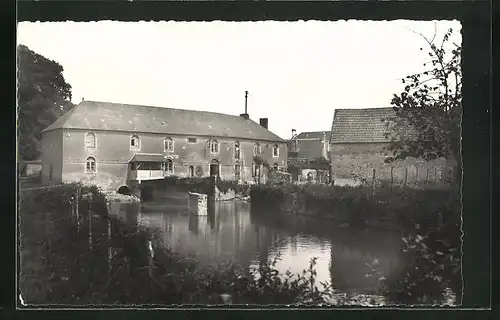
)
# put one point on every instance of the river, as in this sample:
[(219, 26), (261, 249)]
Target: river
[(233, 232)]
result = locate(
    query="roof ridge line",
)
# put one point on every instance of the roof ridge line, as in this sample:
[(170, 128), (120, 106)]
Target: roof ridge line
[(156, 107)]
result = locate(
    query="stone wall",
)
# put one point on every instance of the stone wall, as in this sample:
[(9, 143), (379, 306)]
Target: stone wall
[(356, 162), (112, 153), (198, 204)]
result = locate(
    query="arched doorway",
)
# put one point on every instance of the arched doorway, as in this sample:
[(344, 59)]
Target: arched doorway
[(191, 171), (124, 190), (214, 168)]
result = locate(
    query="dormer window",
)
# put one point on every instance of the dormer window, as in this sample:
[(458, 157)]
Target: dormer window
[(214, 146), (135, 143), (90, 140), (257, 150), (276, 151), (168, 145)]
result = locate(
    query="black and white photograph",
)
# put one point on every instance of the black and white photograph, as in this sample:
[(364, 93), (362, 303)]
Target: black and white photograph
[(302, 163)]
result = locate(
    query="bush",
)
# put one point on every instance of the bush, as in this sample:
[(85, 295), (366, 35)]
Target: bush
[(432, 250)]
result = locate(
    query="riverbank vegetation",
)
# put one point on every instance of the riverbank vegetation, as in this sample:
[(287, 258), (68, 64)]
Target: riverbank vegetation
[(85, 256), (72, 252), (429, 221)]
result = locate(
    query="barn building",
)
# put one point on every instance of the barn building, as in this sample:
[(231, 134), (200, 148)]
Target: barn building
[(115, 144), (309, 152), (358, 142)]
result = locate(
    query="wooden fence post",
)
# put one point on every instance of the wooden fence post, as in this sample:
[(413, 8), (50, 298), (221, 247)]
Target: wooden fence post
[(427, 176), (110, 249), (373, 181), (416, 177), (77, 210), (406, 175), (392, 177), (436, 175), (89, 215)]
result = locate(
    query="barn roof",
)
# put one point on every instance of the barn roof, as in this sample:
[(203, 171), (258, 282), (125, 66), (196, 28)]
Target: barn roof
[(92, 115), (312, 135), (361, 125)]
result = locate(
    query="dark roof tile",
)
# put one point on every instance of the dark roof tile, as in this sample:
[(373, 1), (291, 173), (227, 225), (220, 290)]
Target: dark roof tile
[(361, 125), (91, 115)]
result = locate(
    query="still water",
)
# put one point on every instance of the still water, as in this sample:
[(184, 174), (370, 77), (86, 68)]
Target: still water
[(233, 233)]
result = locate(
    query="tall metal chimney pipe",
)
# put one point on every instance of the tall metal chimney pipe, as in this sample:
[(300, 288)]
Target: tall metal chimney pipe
[(246, 98)]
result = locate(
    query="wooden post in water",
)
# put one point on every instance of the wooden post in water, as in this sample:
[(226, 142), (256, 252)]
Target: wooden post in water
[(150, 258), (406, 175)]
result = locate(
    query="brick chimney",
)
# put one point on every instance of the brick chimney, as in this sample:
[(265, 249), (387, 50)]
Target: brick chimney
[(245, 115), (264, 122)]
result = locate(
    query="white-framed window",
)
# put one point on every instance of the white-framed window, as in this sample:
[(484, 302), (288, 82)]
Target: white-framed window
[(214, 146), (257, 149), (90, 165), (90, 142), (168, 166), (276, 151), (168, 144), (237, 150), (135, 142)]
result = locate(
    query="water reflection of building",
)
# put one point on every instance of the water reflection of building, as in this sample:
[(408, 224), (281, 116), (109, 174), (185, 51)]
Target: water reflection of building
[(224, 234)]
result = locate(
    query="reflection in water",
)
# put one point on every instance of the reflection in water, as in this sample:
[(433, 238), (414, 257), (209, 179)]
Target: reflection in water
[(231, 232)]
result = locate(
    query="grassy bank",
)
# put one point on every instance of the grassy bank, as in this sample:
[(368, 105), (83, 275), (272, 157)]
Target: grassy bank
[(398, 207), (88, 257)]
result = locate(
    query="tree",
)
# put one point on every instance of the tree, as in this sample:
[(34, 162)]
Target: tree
[(428, 111), (43, 96)]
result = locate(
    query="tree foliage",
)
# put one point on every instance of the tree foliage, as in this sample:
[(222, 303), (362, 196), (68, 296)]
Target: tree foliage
[(428, 111), (43, 96)]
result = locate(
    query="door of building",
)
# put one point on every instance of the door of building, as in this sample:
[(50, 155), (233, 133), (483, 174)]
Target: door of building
[(214, 168)]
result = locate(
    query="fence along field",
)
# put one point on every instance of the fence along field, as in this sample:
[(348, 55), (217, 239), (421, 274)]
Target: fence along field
[(411, 176)]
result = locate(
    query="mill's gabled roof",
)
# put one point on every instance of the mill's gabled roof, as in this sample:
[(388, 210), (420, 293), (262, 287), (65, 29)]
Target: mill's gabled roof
[(361, 125), (92, 115)]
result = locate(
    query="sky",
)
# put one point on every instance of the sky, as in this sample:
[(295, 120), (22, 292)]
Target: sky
[(297, 73)]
